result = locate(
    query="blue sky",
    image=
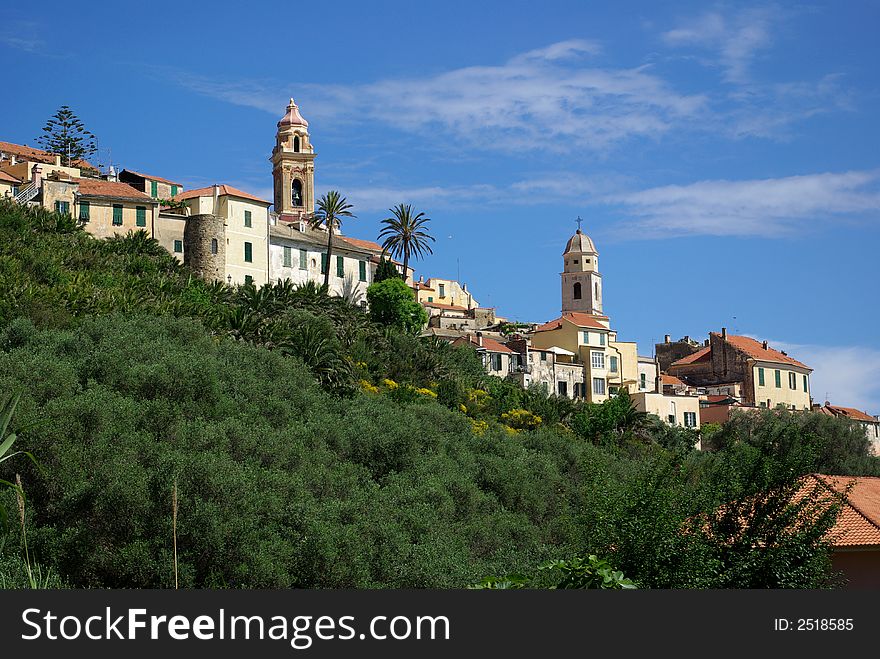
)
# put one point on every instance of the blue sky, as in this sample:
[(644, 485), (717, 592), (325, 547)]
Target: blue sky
[(724, 156)]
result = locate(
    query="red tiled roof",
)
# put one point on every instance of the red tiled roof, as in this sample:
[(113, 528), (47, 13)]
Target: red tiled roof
[(700, 355), (440, 305), (151, 177), (490, 345), (39, 155), (9, 178), (422, 287), (363, 244), (579, 319), (756, 350), (671, 380), (859, 521), (95, 187), (852, 413), (227, 190)]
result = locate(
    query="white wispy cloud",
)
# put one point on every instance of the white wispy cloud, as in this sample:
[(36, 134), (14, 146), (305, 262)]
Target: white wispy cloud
[(758, 207), (735, 39), (844, 375)]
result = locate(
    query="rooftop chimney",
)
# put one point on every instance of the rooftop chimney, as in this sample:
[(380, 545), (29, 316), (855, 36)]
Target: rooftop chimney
[(667, 339), (687, 339), (764, 345), (216, 209), (480, 339), (724, 333), (36, 175)]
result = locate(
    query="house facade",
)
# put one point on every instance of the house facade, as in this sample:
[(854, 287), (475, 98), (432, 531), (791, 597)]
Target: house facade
[(154, 186)]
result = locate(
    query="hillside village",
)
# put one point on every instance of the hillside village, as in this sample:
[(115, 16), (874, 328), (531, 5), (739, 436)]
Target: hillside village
[(229, 235)]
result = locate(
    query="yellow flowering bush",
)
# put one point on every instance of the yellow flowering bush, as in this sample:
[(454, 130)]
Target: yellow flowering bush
[(426, 392), (479, 427), (390, 384), (520, 419), (367, 386), (462, 408)]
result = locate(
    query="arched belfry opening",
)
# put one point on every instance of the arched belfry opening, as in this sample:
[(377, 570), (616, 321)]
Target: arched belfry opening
[(296, 143), (577, 290), (296, 193)]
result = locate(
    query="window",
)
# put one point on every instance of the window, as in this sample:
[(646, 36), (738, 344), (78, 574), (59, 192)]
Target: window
[(62, 207), (430, 299), (323, 263), (792, 380), (760, 377), (154, 189), (578, 389), (173, 190), (495, 360), (599, 386), (178, 246), (763, 404), (601, 339), (141, 214), (303, 258), (247, 219), (117, 215), (597, 291), (296, 143), (643, 381), (805, 384), (248, 280), (586, 338), (577, 290), (597, 359), (340, 266), (248, 253), (362, 270), (84, 209), (613, 363), (442, 290), (690, 419), (562, 388), (778, 376), (543, 356), (214, 245), (296, 193), (671, 415), (612, 390), (288, 256)]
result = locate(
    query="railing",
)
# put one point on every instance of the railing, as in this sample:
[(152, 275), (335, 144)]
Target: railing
[(27, 193)]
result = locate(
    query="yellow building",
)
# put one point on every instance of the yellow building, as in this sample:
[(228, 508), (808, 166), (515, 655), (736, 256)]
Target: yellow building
[(445, 292), (246, 235), (293, 167), (8, 185), (155, 186)]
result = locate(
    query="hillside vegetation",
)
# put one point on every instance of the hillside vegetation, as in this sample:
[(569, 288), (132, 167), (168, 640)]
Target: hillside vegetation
[(314, 447)]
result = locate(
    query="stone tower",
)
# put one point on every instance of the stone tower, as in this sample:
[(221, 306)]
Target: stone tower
[(204, 246), (581, 281), (293, 165)]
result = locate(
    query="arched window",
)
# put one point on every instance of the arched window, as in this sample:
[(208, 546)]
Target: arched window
[(213, 245), (296, 192), (577, 290), (296, 143), (597, 290)]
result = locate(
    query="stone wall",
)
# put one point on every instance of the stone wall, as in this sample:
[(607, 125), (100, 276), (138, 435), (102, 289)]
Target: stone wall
[(204, 246), (672, 351)]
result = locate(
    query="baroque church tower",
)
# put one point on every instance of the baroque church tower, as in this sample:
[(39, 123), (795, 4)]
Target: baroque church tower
[(293, 165), (581, 281)]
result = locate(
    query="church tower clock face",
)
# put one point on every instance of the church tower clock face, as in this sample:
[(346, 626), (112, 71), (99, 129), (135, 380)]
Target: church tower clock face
[(293, 166), (581, 280)]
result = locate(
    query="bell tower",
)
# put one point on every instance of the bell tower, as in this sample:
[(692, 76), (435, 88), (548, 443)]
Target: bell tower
[(293, 165), (581, 281)]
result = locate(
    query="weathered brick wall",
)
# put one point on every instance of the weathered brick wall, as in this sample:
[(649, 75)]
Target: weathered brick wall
[(198, 235), (673, 351)]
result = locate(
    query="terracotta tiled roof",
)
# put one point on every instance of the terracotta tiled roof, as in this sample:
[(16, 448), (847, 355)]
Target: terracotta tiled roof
[(579, 319), (422, 286), (440, 305), (671, 380), (698, 356), (852, 413), (756, 350), (95, 187), (363, 244), (9, 178), (150, 177), (489, 345), (858, 524), (38, 155), (227, 190)]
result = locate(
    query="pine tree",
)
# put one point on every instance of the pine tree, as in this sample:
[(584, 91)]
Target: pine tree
[(385, 270), (67, 136)]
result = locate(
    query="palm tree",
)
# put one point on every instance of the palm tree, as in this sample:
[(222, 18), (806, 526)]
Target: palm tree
[(332, 207), (406, 234)]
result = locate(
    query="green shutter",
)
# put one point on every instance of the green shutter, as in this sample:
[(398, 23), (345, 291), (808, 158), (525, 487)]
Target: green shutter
[(761, 377), (178, 246), (117, 215), (247, 218), (288, 251), (323, 263), (340, 266), (248, 280), (173, 190), (57, 206), (141, 216), (601, 339), (778, 376), (362, 270), (154, 189), (805, 383), (303, 259), (248, 253), (84, 211)]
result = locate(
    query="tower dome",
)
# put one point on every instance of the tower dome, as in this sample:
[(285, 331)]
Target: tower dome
[(580, 242), (293, 117)]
